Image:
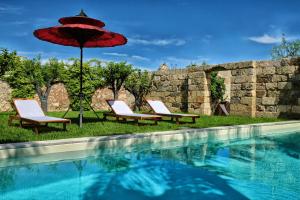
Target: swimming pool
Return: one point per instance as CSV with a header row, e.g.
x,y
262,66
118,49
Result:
x,y
259,166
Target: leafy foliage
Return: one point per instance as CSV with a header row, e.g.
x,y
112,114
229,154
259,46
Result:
x,y
286,49
29,77
115,74
7,60
139,84
92,80
217,89
18,78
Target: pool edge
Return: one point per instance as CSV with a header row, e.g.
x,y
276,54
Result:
x,y
11,150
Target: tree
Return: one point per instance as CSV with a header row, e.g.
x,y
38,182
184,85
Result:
x,y
286,49
51,73
115,74
217,89
139,84
92,80
30,77
7,60
18,79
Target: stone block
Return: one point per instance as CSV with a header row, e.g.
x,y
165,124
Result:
x,y
260,86
273,93
264,78
267,114
269,101
284,85
284,108
296,109
258,100
286,70
242,79
235,99
271,86
247,100
240,109
279,78
271,108
248,86
236,87
260,108
268,70
261,93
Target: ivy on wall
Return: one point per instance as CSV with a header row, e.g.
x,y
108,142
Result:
x,y
217,89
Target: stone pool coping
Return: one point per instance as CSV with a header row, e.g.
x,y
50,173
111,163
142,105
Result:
x,y
37,148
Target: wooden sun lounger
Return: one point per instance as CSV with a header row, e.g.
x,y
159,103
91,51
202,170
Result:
x,y
37,120
166,113
128,114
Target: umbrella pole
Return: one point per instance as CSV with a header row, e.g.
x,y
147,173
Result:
x,y
80,93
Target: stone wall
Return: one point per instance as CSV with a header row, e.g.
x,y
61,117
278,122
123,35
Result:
x,y
5,97
253,88
101,95
278,88
182,90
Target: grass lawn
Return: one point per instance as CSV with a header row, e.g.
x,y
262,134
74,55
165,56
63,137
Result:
x,y
94,127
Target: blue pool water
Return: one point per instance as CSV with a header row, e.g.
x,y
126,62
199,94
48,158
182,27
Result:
x,y
260,167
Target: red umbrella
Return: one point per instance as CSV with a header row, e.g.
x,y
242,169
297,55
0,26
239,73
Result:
x,y
80,31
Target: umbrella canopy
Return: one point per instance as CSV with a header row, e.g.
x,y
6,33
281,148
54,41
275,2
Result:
x,y
80,31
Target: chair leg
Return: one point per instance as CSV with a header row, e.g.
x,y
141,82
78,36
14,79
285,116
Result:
x,y
9,120
194,120
136,121
65,126
36,130
177,120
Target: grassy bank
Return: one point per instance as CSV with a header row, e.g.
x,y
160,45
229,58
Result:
x,y
94,127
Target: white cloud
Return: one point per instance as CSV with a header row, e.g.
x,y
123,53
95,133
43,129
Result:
x,y
207,38
21,34
140,58
9,9
183,62
156,42
116,54
134,57
266,39
29,53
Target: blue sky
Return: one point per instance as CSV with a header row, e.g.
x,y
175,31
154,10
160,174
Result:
x,y
177,32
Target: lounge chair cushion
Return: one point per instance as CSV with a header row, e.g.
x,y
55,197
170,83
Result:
x,y
159,107
120,107
28,108
46,119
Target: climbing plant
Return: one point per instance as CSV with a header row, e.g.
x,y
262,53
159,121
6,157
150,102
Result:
x,y
217,89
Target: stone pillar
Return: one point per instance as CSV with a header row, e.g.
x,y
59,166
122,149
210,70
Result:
x,y
243,91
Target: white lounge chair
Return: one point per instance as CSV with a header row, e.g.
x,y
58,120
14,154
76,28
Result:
x,y
30,112
159,108
121,110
